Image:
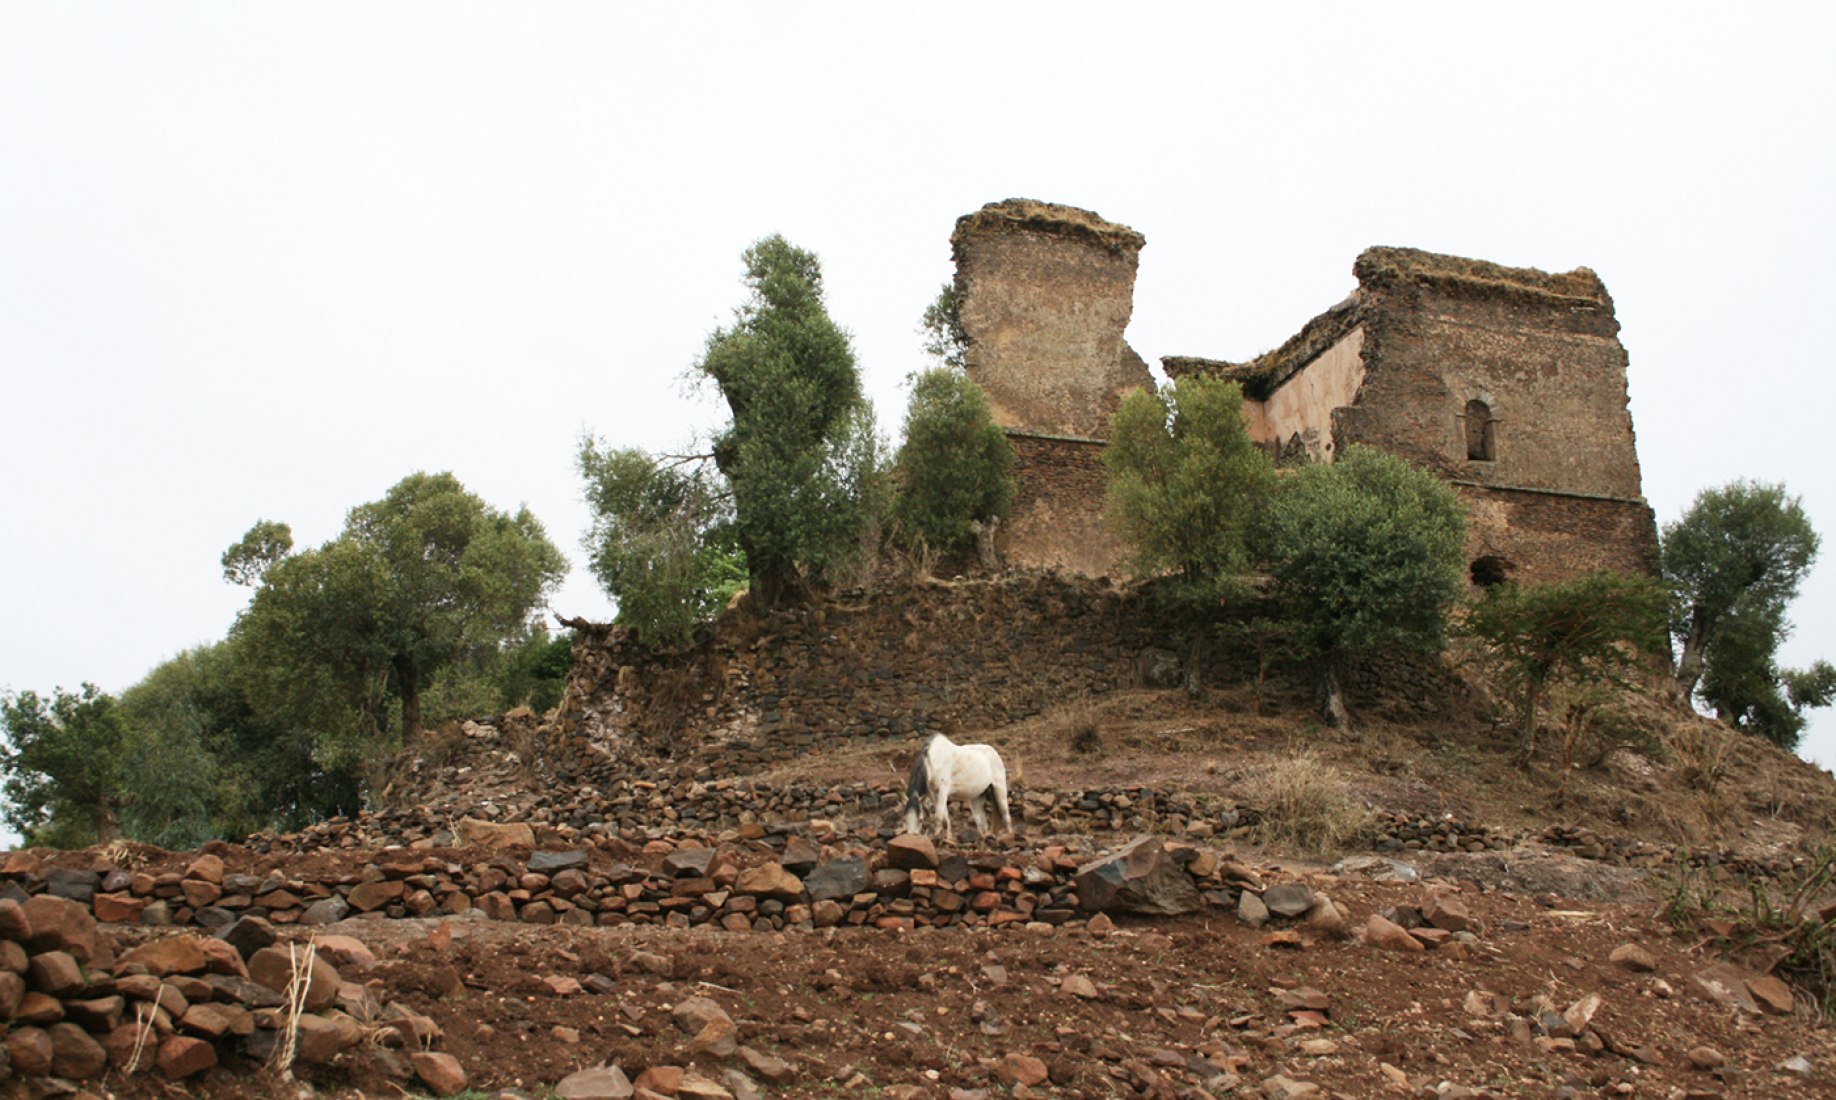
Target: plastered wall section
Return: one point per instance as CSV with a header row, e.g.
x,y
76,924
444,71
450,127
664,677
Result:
x,y
1553,375
1302,407
1044,314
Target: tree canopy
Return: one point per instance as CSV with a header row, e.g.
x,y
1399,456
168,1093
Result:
x,y
1580,631
1184,482
660,542
1366,557
1734,562
417,580
800,455
955,466
64,766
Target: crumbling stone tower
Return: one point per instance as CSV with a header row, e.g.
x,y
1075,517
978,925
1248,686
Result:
x,y
1044,293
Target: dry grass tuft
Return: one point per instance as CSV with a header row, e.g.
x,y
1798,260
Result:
x,y
1306,807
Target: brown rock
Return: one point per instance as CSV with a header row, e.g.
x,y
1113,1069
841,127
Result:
x,y
1022,1069
13,922
322,1039
118,908
59,924
172,955
1449,914
367,897
1772,994
661,1079
598,1083
769,880
1250,909
273,967
1080,987
769,1066
1707,1057
55,973
1325,918
131,1047
39,1009
182,1056
97,1014
1390,936
28,1051
1285,1088
910,850
1631,956
12,992
206,868
199,893
696,1087
347,953
74,1054
473,833
441,1072
1580,1014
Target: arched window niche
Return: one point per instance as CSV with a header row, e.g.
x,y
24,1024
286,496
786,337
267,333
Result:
x,y
1481,432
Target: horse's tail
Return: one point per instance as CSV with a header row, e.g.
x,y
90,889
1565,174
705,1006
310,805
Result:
x,y
1014,776
918,781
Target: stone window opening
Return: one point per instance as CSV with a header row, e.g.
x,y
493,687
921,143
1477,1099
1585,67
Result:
x,y
1490,570
1481,432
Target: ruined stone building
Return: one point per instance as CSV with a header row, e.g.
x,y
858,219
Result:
x,y
1510,383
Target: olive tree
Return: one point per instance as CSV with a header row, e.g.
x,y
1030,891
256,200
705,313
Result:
x,y
1366,558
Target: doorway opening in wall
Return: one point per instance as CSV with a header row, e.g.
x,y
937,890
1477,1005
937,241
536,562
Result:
x,y
1490,570
1481,433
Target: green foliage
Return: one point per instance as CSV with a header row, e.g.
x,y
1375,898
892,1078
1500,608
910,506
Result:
x,y
1184,482
1734,562
63,759
257,769
955,466
418,579
1578,632
944,338
800,455
1366,557
1743,682
265,543
659,542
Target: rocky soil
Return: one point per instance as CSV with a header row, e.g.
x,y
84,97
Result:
x,y
657,934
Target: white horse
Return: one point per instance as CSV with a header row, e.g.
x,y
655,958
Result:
x,y
945,770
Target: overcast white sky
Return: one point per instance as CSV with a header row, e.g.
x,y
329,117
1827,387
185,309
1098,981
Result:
x,y
264,260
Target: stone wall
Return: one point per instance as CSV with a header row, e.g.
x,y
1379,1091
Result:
x,y
1537,537
1057,520
1542,356
907,662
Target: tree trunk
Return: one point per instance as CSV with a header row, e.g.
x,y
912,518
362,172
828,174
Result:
x,y
1533,698
107,822
1689,666
408,675
1333,699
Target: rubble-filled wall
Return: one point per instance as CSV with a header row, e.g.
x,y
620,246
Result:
x,y
964,656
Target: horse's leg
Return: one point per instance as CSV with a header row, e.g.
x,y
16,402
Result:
x,y
998,792
981,818
943,810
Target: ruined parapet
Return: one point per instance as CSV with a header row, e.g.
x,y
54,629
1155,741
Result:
x,y
1043,293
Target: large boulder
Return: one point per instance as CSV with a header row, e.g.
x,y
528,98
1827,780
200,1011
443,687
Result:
x,y
1140,878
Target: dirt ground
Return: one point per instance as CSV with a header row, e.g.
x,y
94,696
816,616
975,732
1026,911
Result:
x,y
1172,1006
1171,1009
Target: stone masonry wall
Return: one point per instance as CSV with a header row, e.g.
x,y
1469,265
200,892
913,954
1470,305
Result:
x,y
1044,293
1057,519
928,658
1548,537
